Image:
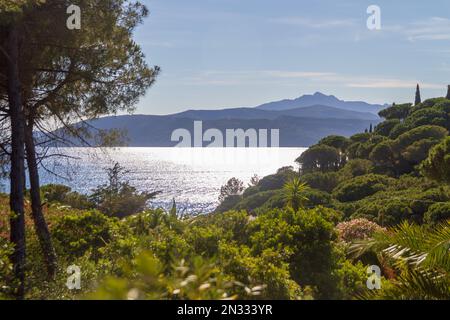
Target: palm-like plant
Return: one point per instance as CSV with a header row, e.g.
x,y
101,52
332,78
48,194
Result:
x,y
294,191
421,257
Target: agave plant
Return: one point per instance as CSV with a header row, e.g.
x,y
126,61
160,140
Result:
x,y
294,191
420,255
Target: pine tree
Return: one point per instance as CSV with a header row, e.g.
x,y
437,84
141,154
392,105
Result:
x,y
112,72
448,93
418,98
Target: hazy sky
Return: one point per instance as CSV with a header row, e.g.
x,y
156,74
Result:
x,y
231,53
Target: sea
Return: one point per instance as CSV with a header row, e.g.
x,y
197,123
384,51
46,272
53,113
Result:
x,y
191,176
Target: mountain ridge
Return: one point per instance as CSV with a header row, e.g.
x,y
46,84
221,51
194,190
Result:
x,y
300,126
319,98
314,111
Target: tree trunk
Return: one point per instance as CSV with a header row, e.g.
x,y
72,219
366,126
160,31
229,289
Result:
x,y
17,220
36,204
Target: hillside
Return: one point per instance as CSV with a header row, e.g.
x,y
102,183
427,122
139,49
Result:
x,y
381,176
314,111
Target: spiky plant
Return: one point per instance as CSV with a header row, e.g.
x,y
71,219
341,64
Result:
x,y
421,257
294,193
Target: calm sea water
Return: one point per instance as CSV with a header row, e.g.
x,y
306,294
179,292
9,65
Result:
x,y
192,176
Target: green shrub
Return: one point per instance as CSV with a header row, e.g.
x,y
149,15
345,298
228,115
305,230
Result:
x,y
275,181
55,193
385,128
437,213
361,187
324,181
118,198
386,213
90,231
356,167
305,238
437,165
257,200
229,203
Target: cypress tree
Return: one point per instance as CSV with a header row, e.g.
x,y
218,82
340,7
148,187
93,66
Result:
x,y
418,98
448,93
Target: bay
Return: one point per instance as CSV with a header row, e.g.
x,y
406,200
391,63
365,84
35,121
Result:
x,y
191,176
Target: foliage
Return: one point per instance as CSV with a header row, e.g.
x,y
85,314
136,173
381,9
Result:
x,y
276,181
324,181
437,165
305,240
396,112
54,193
420,257
357,167
234,187
200,280
118,198
361,187
438,213
320,158
294,193
385,127
90,231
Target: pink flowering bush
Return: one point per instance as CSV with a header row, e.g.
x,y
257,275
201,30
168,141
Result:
x,y
358,229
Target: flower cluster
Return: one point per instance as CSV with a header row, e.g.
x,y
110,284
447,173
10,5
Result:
x,y
358,229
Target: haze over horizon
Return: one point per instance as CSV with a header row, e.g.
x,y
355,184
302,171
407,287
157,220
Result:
x,y
232,53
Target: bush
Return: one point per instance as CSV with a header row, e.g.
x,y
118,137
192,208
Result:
x,y
437,165
250,191
437,213
388,212
361,187
118,198
255,201
268,269
305,238
89,231
275,181
204,240
55,193
324,181
385,128
357,167
229,203
357,229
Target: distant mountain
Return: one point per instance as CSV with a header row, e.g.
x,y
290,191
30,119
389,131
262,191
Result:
x,y
302,122
323,100
315,111
156,131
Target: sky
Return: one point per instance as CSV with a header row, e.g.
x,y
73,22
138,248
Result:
x,y
216,54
